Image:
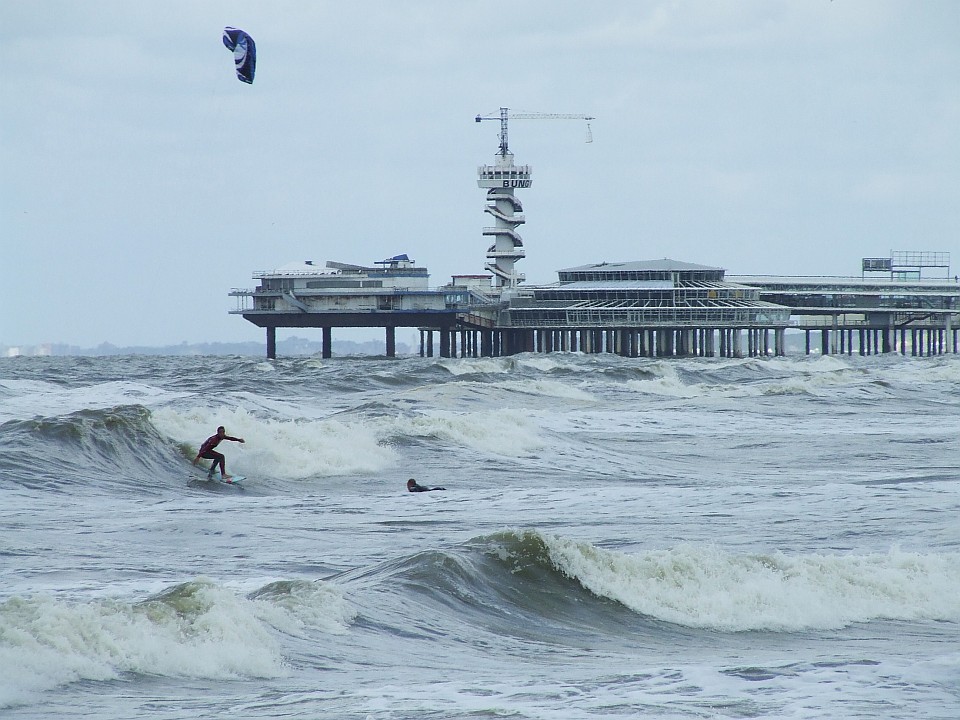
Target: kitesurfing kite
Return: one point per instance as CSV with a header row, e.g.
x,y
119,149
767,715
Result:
x,y
244,52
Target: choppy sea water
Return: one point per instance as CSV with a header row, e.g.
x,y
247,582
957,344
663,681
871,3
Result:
x,y
761,538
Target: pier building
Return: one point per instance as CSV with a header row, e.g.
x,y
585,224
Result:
x,y
653,309
394,293
658,308
648,308
892,307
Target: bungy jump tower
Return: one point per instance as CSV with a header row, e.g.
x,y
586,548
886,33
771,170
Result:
x,y
501,181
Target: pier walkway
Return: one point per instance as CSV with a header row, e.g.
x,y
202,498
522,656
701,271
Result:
x,y
867,315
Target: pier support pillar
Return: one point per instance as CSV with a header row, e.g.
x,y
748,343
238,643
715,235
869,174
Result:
x,y
671,348
271,343
486,343
445,342
391,333
326,344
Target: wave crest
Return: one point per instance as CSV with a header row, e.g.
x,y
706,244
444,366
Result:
x,y
193,629
705,587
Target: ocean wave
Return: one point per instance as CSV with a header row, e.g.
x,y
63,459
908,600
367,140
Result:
x,y
502,432
195,629
555,364
74,447
530,583
488,365
285,448
458,589
31,399
705,587
758,377
295,606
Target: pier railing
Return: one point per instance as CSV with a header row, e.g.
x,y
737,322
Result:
x,y
655,317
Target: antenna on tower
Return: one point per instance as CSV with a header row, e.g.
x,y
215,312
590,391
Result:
x,y
504,117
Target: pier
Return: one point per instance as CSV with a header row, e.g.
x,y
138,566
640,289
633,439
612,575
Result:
x,y
658,308
661,308
894,306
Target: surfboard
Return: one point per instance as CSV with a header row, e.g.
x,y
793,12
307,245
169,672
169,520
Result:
x,y
234,480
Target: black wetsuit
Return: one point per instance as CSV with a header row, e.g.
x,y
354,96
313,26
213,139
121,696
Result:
x,y
420,488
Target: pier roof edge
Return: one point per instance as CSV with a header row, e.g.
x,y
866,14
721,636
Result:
x,y
639,265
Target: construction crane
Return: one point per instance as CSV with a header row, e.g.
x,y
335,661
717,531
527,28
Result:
x,y
505,115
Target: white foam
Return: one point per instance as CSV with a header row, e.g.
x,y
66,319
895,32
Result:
x,y
199,629
704,587
296,606
911,372
542,363
472,366
281,448
507,432
469,366
666,381
31,398
547,388
49,642
799,377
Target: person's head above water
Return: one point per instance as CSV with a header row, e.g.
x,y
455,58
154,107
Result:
x,y
411,483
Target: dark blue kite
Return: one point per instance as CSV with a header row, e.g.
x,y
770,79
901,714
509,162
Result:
x,y
244,52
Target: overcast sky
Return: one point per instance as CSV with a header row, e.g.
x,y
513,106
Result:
x,y
140,181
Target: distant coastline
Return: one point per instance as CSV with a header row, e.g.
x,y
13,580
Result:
x,y
292,346
288,347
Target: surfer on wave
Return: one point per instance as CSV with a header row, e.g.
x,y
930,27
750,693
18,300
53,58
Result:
x,y
207,452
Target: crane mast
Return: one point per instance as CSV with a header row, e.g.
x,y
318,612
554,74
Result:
x,y
505,116
501,180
